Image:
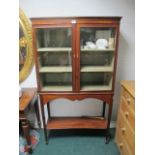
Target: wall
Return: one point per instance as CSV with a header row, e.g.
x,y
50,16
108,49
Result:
x,y
126,56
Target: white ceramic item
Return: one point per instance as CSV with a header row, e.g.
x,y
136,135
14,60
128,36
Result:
x,y
90,44
102,43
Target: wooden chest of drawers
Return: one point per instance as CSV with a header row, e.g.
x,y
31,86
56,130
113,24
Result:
x,y
125,129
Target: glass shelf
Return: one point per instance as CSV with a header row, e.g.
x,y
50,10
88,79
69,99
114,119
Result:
x,y
55,49
57,88
57,69
96,49
96,69
95,88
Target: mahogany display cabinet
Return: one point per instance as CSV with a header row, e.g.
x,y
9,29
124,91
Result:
x,y
76,58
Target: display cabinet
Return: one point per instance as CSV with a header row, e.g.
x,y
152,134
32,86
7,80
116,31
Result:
x,y
76,58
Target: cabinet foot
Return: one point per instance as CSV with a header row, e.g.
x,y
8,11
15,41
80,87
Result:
x,y
39,125
107,139
30,150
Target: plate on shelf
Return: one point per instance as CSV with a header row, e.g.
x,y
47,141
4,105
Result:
x,y
101,43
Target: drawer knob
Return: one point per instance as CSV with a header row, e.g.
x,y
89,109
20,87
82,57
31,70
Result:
x,y
129,100
123,130
126,114
121,145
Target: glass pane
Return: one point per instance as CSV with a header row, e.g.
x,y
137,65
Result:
x,y
96,81
57,81
54,50
91,58
98,38
54,37
97,58
55,58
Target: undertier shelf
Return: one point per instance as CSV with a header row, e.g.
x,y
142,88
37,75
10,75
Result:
x,y
77,123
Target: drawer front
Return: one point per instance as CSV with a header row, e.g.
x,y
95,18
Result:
x,y
128,114
129,100
126,132
122,145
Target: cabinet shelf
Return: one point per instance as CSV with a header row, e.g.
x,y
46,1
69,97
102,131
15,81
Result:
x,y
96,69
76,123
55,49
57,69
96,49
95,88
57,88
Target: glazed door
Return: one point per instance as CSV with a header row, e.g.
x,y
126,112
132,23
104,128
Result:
x,y
97,49
55,65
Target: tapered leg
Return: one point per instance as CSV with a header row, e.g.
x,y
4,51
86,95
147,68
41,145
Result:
x,y
104,107
36,107
48,110
26,132
43,118
109,119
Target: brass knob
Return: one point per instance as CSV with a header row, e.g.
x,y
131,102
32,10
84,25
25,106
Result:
x,y
123,130
126,114
121,145
129,100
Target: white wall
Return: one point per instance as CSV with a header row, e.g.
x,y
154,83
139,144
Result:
x,y
126,52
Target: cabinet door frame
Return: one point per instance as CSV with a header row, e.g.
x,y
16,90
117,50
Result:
x,y
56,24
95,25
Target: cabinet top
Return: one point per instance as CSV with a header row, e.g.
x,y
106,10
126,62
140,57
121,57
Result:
x,y
98,19
27,96
129,85
80,17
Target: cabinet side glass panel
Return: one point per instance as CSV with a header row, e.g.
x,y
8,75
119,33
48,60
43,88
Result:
x,y
97,49
54,49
